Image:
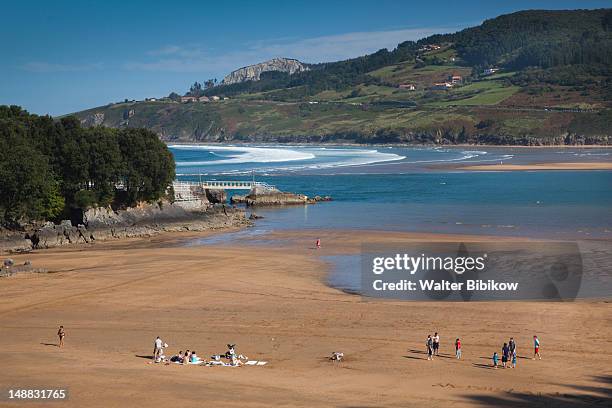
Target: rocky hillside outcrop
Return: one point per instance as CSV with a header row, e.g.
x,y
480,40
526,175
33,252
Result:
x,y
253,72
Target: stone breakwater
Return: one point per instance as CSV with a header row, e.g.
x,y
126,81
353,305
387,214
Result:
x,y
101,224
276,198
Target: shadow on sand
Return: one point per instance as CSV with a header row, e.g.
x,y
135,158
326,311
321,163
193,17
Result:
x,y
487,366
415,357
583,396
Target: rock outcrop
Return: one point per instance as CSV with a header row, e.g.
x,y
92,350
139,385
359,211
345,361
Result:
x,y
253,72
101,224
216,196
95,119
14,241
275,198
270,199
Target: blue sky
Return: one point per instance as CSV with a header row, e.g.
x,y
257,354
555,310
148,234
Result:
x,y
64,56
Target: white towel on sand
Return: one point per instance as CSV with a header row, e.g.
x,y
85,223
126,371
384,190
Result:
x,y
255,362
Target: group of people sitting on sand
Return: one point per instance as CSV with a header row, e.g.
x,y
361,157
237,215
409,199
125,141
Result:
x,y
508,351
191,357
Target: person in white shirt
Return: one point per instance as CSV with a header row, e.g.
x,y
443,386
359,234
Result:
x,y
158,348
436,344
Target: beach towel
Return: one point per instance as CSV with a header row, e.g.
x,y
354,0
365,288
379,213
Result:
x,y
255,362
217,363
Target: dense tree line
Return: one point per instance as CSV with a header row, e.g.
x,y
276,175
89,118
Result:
x,y
536,38
49,166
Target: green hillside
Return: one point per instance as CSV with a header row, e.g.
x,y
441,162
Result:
x,y
532,77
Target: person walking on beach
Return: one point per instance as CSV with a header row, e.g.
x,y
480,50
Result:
x,y
429,345
61,333
436,344
536,348
505,355
512,345
158,346
458,349
318,243
514,359
495,360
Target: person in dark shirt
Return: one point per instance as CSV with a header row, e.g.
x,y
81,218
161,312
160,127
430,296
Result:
x,y
61,333
505,354
429,345
512,345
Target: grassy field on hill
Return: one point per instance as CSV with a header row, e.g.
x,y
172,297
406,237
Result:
x,y
552,85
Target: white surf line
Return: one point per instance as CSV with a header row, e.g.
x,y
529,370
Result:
x,y
360,157
244,155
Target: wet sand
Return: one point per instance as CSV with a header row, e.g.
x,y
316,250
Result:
x,y
114,298
539,166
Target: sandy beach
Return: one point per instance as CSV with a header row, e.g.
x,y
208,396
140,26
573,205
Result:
x,y
540,166
113,299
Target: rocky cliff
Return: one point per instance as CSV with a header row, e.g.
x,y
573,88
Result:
x,y
101,224
253,72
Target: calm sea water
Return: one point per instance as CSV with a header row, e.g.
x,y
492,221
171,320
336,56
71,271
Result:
x,y
416,189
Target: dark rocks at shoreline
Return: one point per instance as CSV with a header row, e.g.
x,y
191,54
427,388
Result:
x,y
276,198
317,199
9,268
145,220
14,241
216,196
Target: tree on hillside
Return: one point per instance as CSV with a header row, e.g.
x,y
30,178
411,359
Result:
x,y
195,89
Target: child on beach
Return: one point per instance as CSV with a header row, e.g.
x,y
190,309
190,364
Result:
x,y
318,243
458,349
495,360
429,344
536,347
505,355
61,334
